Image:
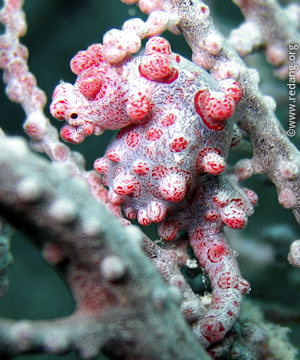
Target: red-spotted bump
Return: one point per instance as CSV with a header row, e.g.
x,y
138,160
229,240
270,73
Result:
x,y
212,203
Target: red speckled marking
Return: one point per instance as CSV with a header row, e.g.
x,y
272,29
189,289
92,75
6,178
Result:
x,y
178,144
132,139
153,134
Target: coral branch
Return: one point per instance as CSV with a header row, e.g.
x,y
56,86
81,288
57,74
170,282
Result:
x,y
255,112
22,87
213,202
168,164
294,254
90,238
228,287
168,263
269,26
